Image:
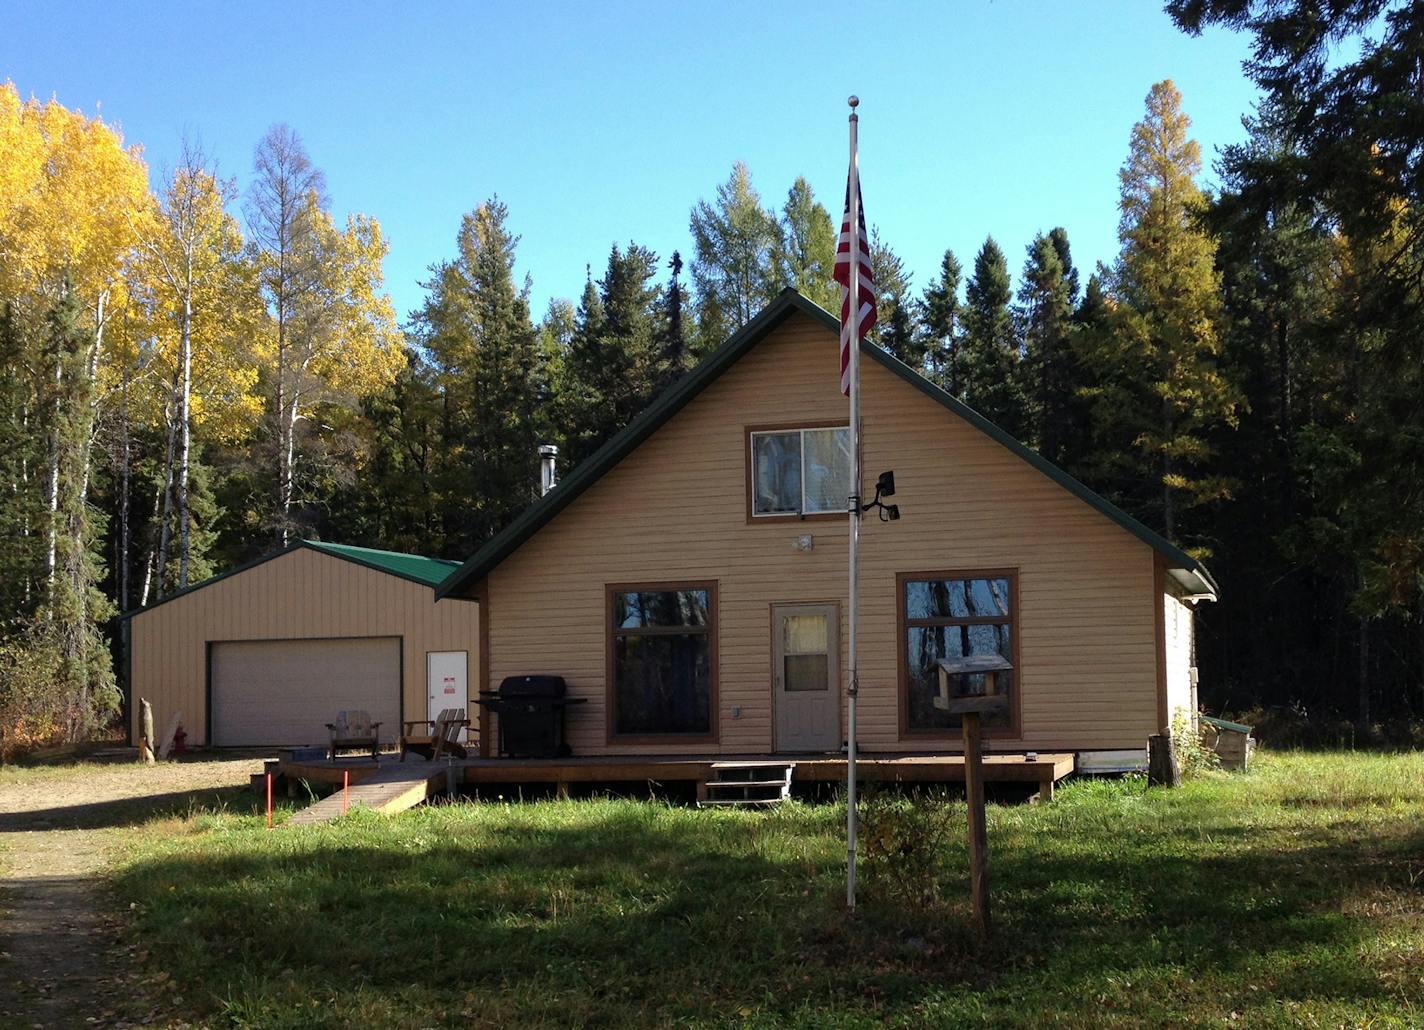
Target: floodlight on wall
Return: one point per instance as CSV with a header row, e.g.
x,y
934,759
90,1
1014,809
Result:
x,y
884,487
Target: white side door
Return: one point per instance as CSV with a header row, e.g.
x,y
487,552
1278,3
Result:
x,y
447,683
805,676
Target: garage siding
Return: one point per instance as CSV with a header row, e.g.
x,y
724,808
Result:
x,y
300,595
282,692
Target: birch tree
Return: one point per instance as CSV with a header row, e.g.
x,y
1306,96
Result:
x,y
333,335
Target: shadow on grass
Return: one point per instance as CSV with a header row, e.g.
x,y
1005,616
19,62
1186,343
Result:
x,y
642,915
118,811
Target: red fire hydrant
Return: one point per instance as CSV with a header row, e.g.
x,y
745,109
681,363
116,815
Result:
x,y
179,736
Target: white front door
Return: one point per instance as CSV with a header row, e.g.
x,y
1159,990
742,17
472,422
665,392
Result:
x,y
446,682
805,676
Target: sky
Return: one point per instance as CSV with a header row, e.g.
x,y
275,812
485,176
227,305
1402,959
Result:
x,y
603,123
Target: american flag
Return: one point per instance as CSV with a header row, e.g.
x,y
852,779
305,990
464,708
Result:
x,y
866,295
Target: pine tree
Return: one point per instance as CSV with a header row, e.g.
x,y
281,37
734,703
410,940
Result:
x,y
735,246
673,359
896,328
942,317
476,328
806,255
616,359
991,351
1168,393
1049,377
76,608
21,458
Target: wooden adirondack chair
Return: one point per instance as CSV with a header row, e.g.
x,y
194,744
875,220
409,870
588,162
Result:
x,y
440,740
354,730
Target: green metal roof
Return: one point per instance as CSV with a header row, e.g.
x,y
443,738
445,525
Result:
x,y
414,567
1186,570
1223,724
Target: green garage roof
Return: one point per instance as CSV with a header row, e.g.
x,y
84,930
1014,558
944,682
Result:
x,y
415,567
419,568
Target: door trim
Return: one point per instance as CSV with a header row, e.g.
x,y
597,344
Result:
x,y
835,606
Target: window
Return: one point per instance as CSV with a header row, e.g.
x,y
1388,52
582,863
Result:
x,y
800,471
662,660
950,615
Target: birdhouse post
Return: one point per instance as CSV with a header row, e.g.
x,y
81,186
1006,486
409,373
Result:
x,y
969,688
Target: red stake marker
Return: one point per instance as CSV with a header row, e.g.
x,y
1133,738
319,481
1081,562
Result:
x,y
345,791
269,801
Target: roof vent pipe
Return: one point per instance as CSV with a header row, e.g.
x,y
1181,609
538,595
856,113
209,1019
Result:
x,y
548,476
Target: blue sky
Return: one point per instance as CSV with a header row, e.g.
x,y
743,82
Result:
x,y
599,123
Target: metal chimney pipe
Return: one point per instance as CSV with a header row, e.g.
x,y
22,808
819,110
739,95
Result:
x,y
548,474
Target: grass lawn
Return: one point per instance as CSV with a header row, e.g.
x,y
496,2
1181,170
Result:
x,y
1292,896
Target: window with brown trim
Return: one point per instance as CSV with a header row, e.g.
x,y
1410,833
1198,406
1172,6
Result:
x,y
798,471
662,662
949,615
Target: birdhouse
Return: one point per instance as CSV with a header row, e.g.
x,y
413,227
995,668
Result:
x,y
959,696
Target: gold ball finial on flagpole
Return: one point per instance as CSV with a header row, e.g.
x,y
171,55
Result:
x,y
854,101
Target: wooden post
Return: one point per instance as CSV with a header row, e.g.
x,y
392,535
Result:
x,y
1163,769
145,742
978,835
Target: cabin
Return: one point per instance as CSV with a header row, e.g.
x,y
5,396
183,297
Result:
x,y
689,580
688,583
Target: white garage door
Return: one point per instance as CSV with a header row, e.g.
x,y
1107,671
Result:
x,y
284,692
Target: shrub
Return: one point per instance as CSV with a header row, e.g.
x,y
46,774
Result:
x,y
903,841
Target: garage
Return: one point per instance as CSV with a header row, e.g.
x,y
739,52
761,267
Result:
x,y
269,692
268,653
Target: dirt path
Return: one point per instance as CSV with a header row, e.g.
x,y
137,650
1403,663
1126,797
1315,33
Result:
x,y
61,961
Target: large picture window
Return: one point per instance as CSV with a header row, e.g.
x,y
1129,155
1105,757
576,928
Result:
x,y
799,471
662,660
950,615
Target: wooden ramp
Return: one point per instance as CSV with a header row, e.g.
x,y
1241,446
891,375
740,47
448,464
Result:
x,y
392,788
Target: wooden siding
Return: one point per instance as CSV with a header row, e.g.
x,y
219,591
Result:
x,y
302,594
675,510
1177,629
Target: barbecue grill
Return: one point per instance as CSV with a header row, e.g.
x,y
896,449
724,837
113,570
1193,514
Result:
x,y
531,715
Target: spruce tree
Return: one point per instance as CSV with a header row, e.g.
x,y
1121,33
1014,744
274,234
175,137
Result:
x,y
673,359
991,350
475,327
895,327
942,315
76,608
1048,379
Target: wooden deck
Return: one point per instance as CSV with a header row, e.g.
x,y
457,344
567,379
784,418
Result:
x,y
1044,772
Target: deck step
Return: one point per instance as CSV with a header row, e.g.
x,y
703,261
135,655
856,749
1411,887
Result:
x,y
753,784
392,789
746,783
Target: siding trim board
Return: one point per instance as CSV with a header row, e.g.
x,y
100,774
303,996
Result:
x,y
536,516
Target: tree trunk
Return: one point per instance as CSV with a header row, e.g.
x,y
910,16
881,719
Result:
x,y
1362,717
125,486
166,517
184,437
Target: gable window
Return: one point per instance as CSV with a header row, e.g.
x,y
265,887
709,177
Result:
x,y
951,615
662,660
799,471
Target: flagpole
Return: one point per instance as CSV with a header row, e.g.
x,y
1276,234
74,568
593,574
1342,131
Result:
x,y
853,686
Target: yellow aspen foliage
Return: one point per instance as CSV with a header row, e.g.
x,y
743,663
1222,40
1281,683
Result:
x,y
70,216
193,257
